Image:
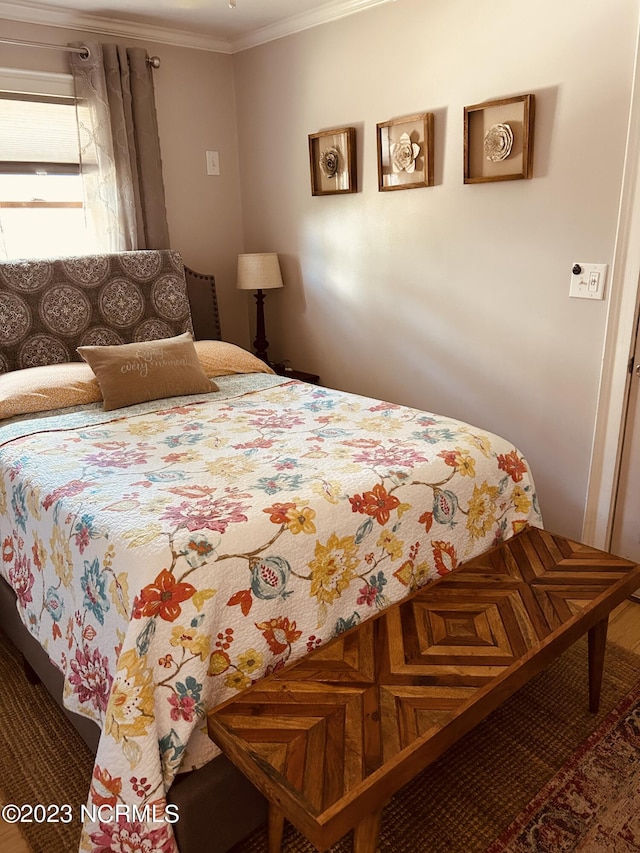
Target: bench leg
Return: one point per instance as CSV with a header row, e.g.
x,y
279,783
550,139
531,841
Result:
x,y
365,835
597,645
275,825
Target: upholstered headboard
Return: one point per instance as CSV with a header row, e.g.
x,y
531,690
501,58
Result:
x,y
51,306
205,317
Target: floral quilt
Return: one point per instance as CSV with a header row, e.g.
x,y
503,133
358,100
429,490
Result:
x,y
172,553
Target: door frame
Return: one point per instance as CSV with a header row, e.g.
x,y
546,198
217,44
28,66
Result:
x,y
624,293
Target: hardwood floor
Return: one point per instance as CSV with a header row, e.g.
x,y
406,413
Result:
x,y
624,630
10,839
624,626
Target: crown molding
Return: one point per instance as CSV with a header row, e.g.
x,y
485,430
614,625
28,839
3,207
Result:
x,y
55,16
33,13
304,21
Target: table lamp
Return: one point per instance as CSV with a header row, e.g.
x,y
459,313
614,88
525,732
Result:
x,y
259,272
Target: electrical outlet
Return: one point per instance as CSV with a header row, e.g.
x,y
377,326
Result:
x,y
213,163
587,281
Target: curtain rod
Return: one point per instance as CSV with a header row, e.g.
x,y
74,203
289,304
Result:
x,y
84,52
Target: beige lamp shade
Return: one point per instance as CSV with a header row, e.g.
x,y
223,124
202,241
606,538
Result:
x,y
260,271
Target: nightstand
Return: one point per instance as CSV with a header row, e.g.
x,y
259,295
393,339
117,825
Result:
x,y
290,373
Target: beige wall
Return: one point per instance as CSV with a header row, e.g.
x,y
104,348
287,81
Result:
x,y
196,111
452,298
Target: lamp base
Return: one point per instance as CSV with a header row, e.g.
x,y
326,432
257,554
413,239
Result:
x,y
261,344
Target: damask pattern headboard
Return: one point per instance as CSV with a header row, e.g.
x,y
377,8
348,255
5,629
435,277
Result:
x,y
51,306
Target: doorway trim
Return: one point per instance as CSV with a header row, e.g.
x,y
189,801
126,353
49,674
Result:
x,y
624,290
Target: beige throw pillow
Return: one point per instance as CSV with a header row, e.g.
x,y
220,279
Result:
x,y
41,389
219,358
149,370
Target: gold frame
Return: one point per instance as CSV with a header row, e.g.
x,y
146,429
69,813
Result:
x,y
344,180
419,129
518,113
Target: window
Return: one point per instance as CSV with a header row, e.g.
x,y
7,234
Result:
x,y
41,199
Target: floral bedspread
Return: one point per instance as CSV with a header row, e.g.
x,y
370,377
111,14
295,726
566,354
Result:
x,y
172,553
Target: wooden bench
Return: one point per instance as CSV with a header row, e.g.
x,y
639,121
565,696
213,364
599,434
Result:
x,y
329,739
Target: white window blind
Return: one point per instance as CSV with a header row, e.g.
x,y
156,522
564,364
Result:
x,y
37,130
42,212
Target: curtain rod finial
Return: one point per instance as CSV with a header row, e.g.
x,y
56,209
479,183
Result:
x,y
154,61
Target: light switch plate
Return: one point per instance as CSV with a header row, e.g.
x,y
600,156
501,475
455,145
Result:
x,y
213,163
587,281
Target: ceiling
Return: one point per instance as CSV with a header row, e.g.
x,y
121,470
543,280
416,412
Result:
x,y
207,24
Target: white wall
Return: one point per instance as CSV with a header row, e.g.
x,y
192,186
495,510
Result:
x,y
195,102
452,298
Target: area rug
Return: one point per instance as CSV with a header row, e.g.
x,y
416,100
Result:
x,y
42,758
469,796
461,804
593,803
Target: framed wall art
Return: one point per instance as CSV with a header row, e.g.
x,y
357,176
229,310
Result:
x,y
405,153
332,159
498,140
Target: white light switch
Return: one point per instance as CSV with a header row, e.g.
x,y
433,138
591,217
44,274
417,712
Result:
x,y
213,163
587,281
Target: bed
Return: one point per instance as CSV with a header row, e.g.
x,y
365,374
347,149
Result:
x,y
166,553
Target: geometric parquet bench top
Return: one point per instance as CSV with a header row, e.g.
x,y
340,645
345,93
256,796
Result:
x,y
333,736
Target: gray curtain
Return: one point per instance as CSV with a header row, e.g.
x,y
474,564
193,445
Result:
x,y
119,148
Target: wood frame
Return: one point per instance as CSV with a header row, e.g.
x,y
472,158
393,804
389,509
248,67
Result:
x,y
518,115
395,176
340,142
